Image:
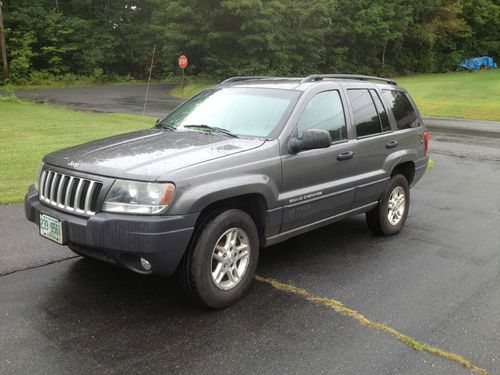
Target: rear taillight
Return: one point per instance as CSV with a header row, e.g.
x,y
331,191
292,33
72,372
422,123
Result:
x,y
426,142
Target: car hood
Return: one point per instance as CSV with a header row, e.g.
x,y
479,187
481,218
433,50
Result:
x,y
148,154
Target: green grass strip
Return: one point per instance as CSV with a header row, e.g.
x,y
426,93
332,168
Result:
x,y
360,318
456,94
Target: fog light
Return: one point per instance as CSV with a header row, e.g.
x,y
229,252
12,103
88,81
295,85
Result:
x,y
146,265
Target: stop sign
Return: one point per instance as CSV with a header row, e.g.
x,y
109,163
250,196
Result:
x,y
183,62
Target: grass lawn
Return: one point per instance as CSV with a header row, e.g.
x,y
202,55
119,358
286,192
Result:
x,y
29,131
455,94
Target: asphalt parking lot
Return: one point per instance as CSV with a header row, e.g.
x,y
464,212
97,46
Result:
x,y
438,282
119,99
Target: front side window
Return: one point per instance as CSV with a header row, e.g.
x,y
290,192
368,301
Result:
x,y
366,119
253,112
401,107
324,111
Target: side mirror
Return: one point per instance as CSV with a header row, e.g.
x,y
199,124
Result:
x,y
311,139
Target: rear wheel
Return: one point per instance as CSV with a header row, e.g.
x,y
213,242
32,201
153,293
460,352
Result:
x,y
389,217
221,262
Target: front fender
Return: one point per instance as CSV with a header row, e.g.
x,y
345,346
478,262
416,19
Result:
x,y
196,198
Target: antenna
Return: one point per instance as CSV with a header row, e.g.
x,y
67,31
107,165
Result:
x,y
149,80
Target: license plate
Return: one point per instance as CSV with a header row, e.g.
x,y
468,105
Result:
x,y
51,228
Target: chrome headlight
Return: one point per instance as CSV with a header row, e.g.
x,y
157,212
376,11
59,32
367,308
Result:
x,y
135,197
36,182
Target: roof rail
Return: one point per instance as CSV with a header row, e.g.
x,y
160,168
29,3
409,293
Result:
x,y
242,78
319,77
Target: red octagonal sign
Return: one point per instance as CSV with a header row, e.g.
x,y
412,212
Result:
x,y
183,62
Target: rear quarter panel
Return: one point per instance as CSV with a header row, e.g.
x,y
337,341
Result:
x,y
411,141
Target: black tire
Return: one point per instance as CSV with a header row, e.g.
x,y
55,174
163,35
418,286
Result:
x,y
377,218
195,270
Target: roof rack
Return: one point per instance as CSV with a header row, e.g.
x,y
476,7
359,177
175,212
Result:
x,y
242,78
248,78
319,77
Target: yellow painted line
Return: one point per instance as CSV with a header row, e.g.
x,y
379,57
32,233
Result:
x,y
341,309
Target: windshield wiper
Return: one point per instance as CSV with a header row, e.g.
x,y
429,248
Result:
x,y
163,125
214,128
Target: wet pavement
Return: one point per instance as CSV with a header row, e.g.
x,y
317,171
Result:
x,y
437,281
120,99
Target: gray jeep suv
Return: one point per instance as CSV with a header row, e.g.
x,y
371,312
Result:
x,y
246,164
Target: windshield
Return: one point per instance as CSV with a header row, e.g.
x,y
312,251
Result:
x,y
253,112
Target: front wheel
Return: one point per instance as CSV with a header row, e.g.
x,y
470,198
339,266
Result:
x,y
390,215
220,264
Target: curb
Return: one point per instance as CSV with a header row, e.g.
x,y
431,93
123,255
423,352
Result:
x,y
471,127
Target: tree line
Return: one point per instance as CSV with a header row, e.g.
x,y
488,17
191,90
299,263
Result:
x,y
111,39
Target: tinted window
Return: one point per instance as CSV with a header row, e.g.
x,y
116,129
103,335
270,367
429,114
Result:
x,y
382,114
243,111
365,115
403,111
325,111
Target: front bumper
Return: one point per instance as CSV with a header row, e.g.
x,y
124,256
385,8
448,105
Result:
x,y
122,239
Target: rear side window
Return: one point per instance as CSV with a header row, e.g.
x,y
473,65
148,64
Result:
x,y
366,118
382,114
401,107
325,111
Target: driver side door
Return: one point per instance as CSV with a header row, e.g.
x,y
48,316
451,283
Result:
x,y
318,184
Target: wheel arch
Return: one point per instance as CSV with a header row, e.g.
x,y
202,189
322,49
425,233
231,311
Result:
x,y
254,204
407,169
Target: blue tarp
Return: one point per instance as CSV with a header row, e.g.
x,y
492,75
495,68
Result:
x,y
477,62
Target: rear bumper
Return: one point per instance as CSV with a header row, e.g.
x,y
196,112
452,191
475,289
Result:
x,y
122,239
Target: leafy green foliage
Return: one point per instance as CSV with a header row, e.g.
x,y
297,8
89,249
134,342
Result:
x,y
21,57
105,39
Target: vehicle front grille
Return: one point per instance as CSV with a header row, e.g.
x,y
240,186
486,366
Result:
x,y
69,193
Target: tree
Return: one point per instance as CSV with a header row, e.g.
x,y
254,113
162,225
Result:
x,y
434,24
365,30
110,38
483,17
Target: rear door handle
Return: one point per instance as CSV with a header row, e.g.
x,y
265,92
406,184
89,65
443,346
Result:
x,y
345,155
392,144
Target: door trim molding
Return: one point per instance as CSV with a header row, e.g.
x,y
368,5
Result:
x,y
316,198
318,224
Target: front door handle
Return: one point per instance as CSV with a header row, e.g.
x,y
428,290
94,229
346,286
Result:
x,y
345,155
392,144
